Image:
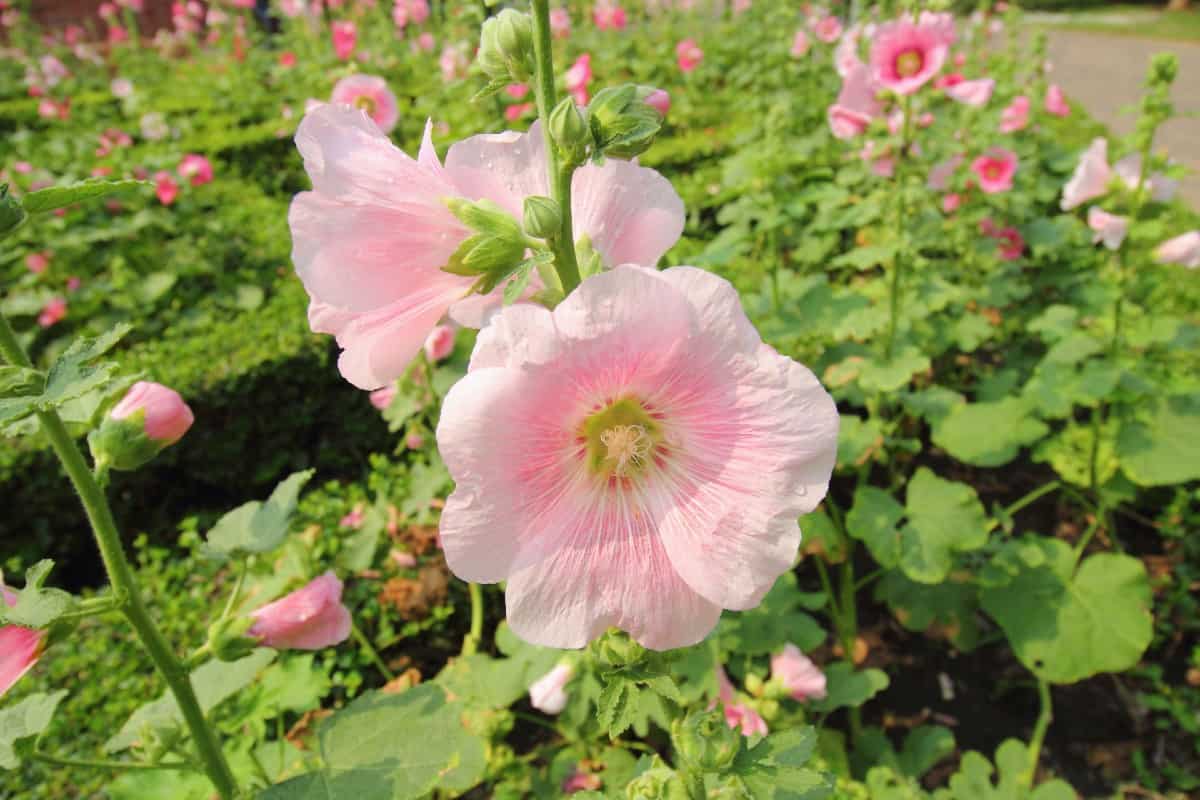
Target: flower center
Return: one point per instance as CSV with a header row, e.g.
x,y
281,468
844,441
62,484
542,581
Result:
x,y
366,103
620,439
909,63
992,172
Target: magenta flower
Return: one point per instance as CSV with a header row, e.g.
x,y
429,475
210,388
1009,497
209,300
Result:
x,y
345,38
688,55
20,647
828,29
972,93
1183,250
857,104
660,101
53,312
165,188
310,618
195,168
165,415
382,398
995,170
560,23
608,16
635,458
1056,103
369,242
800,676
37,263
1015,117
904,56
369,93
440,343
1009,243
548,693
1091,177
1107,228
800,45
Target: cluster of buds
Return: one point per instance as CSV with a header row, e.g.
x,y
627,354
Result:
x,y
506,48
620,122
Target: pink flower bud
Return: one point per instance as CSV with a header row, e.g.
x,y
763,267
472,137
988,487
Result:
x,y
310,618
547,693
440,343
414,441
166,416
382,398
196,168
37,262
1056,103
800,45
165,188
53,312
800,676
20,647
660,101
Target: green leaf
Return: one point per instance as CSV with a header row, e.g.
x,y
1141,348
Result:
x,y
988,434
59,196
776,768
37,607
889,376
846,688
20,382
256,527
944,517
520,281
214,682
924,747
73,374
1161,445
1066,626
358,549
25,720
873,520
953,607
973,781
480,681
776,621
858,440
614,711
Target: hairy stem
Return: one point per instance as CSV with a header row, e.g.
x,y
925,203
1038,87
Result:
x,y
894,287
371,652
1045,717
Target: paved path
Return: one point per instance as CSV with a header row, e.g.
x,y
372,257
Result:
x,y
1105,74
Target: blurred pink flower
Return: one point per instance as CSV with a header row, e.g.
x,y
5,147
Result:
x,y
738,715
287,59
117,34
121,88
578,77
369,242
1091,177
106,11
53,312
1016,116
548,693
856,105
517,91
948,79
1108,228
196,169
688,55
1183,249
951,203
660,101
974,93
345,38
1056,103
879,159
293,8
581,781
414,441
369,93
940,175
37,262
845,56
402,559
165,415
382,398
440,343
1010,244
636,457
453,62
310,618
800,45
73,34
73,283
828,29
355,517
22,167
165,188
608,15
995,170
1162,188
20,647
800,676
515,112
560,23
904,56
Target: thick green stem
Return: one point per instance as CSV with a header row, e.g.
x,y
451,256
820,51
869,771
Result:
x,y
560,178
371,652
1039,732
475,635
894,287
126,592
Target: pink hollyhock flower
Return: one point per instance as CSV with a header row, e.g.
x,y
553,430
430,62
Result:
x,y
345,38
560,23
453,63
857,104
166,417
1091,176
1056,103
440,343
951,203
425,42
117,34
845,56
310,618
800,45
121,88
1010,244
1162,188
293,8
580,781
635,458
974,93
418,11
287,59
165,188
414,441
688,55
800,676
355,518
828,29
20,647
660,101
995,170
517,91
1108,228
515,112
548,693
940,175
73,34
904,56
948,80
53,312
371,94
73,283
382,398
941,23
37,262
1184,250
196,168
106,11
53,70
1016,116
738,715
578,77
370,241
608,16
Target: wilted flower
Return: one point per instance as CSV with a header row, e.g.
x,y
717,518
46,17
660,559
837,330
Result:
x,y
1091,177
369,93
1184,250
995,170
310,618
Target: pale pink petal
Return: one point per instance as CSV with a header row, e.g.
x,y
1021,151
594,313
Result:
x,y
310,618
1108,228
502,167
1091,176
972,93
632,214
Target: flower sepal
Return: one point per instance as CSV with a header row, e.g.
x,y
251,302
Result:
x,y
704,742
623,123
495,251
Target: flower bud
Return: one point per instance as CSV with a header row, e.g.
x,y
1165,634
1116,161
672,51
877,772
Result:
x,y
506,46
227,639
623,124
1164,67
615,649
11,212
800,677
658,99
439,344
542,217
149,418
310,618
547,694
704,742
20,647
570,132
657,783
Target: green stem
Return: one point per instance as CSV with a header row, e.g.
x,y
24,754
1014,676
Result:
x,y
559,178
126,592
372,653
237,590
694,782
901,211
1045,717
1089,533
475,635
1031,497
88,763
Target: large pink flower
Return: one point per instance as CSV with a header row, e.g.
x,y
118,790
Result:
x,y
310,618
995,170
1091,176
371,94
904,56
20,647
856,104
635,458
369,242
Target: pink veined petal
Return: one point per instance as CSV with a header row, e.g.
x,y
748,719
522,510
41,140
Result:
x,y
521,335
19,651
502,167
632,214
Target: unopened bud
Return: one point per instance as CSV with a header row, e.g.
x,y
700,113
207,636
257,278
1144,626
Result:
x,y
1164,67
623,124
616,649
542,217
149,418
704,742
227,639
570,132
658,99
506,46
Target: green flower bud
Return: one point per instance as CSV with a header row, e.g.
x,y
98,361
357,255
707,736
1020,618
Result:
x,y
754,685
656,783
227,638
704,742
496,249
623,124
615,649
515,37
542,217
11,212
491,58
569,131
1164,68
